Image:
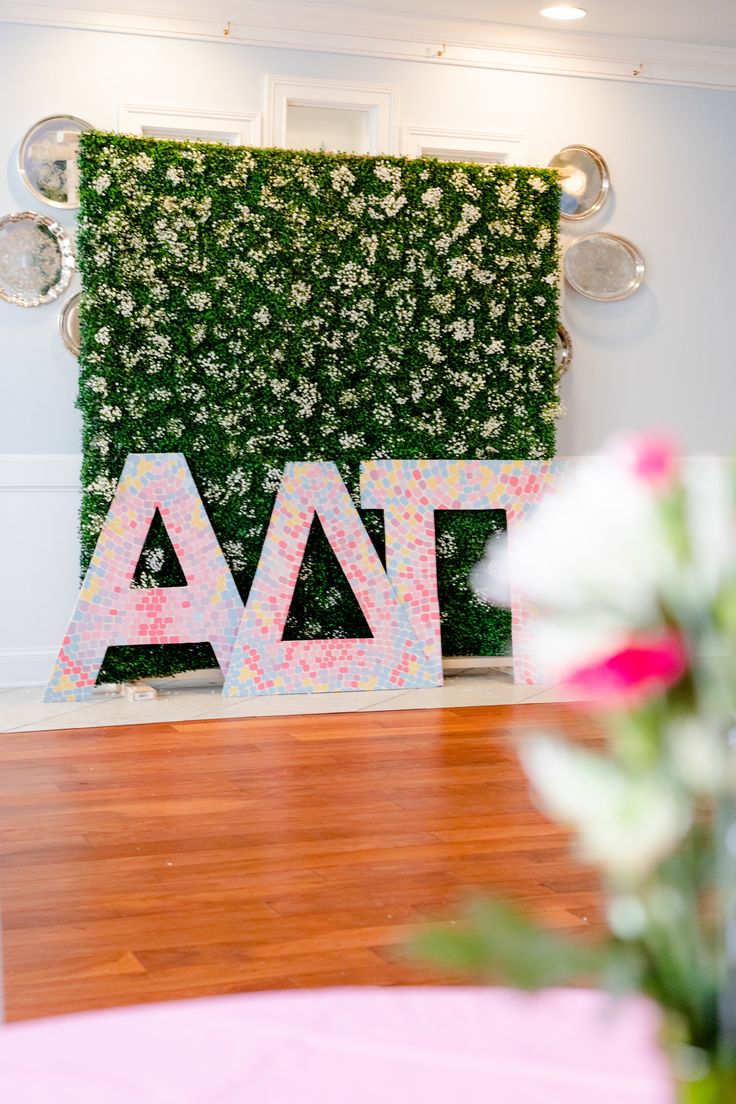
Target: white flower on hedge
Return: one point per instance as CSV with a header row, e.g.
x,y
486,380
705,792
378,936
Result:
x,y
126,303
154,558
196,156
446,544
174,174
443,304
352,441
432,197
160,343
432,352
389,174
301,293
262,316
491,427
469,214
110,413
236,555
463,183
102,337
342,179
457,267
143,162
199,300
102,485
357,205
537,184
508,196
626,825
306,398
462,329
272,480
392,203
101,443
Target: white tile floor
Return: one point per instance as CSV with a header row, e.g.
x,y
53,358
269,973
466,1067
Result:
x,y
198,697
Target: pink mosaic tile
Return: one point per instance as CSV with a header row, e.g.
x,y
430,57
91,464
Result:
x,y
110,612
263,663
400,605
409,492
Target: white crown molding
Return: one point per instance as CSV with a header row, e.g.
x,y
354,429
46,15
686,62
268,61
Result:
x,y
293,25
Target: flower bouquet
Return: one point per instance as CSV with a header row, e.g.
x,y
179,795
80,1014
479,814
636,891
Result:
x,y
632,566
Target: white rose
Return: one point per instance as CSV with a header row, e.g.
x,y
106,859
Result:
x,y
625,824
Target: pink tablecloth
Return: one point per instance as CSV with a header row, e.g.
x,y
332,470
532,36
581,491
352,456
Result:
x,y
350,1046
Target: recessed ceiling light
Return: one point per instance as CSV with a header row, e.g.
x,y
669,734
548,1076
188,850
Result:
x,y
563,11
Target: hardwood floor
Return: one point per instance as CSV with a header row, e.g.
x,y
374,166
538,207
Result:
x,y
173,860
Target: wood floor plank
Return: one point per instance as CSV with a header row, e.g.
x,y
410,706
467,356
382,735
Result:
x,y
155,862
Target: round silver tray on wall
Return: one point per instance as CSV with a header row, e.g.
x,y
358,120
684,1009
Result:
x,y
36,259
563,351
47,159
69,324
605,267
584,179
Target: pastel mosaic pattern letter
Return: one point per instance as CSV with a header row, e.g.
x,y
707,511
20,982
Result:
x,y
263,663
409,491
110,612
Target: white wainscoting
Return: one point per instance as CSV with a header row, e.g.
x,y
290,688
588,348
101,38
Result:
x,y
39,562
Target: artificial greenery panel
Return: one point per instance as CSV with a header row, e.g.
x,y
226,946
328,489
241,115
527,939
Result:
x,y
252,306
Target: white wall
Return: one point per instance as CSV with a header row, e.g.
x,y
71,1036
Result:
x,y
661,358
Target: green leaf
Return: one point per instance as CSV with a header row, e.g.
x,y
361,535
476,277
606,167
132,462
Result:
x,y
498,942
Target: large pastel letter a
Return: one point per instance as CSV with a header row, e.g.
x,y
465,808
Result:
x,y
263,663
109,611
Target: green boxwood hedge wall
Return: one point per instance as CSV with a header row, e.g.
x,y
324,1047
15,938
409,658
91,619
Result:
x,y
252,306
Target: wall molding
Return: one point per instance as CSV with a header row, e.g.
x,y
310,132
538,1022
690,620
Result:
x,y
380,101
25,666
40,472
467,145
328,27
39,510
235,128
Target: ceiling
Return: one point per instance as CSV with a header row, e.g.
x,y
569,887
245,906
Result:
x,y
703,22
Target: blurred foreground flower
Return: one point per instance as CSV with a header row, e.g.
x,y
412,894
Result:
x,y
632,567
645,665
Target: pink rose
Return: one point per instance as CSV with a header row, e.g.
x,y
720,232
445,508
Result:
x,y
651,458
646,666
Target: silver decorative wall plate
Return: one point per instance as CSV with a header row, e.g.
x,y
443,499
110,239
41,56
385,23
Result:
x,y
603,266
36,259
563,351
584,179
69,324
47,159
